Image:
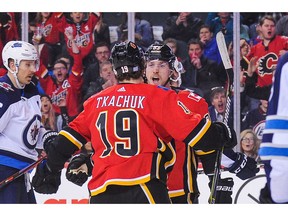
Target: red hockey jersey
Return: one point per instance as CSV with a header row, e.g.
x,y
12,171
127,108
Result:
x,y
267,58
124,123
83,33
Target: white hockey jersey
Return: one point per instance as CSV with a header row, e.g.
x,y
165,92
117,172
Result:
x,y
21,130
275,134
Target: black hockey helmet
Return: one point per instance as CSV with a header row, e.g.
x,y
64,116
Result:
x,y
161,52
127,57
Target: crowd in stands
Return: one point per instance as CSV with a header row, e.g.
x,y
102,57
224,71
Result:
x,y
74,51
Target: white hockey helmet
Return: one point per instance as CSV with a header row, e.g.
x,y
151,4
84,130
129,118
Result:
x,y
18,51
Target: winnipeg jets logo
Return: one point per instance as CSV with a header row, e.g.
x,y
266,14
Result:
x,y
34,132
267,64
31,132
6,86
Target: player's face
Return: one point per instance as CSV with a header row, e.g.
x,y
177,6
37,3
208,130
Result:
x,y
60,72
219,102
268,29
157,72
26,71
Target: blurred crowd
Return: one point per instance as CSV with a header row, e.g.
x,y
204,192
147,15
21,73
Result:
x,y
75,47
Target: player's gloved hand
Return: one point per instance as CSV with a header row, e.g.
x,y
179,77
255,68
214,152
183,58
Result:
x,y
79,169
48,138
46,181
244,167
228,135
224,190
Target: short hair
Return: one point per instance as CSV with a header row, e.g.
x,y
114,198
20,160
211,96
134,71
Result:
x,y
268,17
216,90
170,40
59,61
104,63
195,41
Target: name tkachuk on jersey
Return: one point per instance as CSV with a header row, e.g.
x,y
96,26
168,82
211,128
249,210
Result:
x,y
126,101
20,137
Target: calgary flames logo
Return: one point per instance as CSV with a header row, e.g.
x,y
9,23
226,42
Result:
x,y
267,64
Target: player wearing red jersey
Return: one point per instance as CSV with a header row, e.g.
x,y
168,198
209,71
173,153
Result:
x,y
123,123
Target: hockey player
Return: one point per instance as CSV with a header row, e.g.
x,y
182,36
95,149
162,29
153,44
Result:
x,y
123,123
273,149
20,120
182,182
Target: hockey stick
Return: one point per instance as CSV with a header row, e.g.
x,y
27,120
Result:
x,y
21,172
229,71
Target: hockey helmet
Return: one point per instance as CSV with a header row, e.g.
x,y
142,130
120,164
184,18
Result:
x,y
18,51
161,52
127,57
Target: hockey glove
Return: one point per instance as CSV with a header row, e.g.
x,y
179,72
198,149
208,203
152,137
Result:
x,y
244,167
46,181
48,138
79,169
228,136
224,190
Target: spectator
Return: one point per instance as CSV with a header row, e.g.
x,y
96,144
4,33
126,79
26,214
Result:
x,y
249,144
82,32
255,119
143,31
246,102
101,32
267,53
201,73
64,89
223,21
48,114
101,53
48,35
282,25
8,31
211,50
106,79
217,109
172,43
182,27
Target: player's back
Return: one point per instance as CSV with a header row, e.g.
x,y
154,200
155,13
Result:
x,y
121,123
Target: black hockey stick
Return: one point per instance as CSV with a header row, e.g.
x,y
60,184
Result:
x,y
21,172
220,39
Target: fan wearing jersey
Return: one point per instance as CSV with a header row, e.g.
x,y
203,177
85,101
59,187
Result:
x,y
20,120
124,123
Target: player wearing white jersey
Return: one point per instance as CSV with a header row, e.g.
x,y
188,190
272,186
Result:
x,y
20,120
274,146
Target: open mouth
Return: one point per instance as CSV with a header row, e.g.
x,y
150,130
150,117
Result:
x,y
155,80
269,33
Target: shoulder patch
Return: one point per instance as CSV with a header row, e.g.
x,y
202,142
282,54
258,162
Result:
x,y
6,86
